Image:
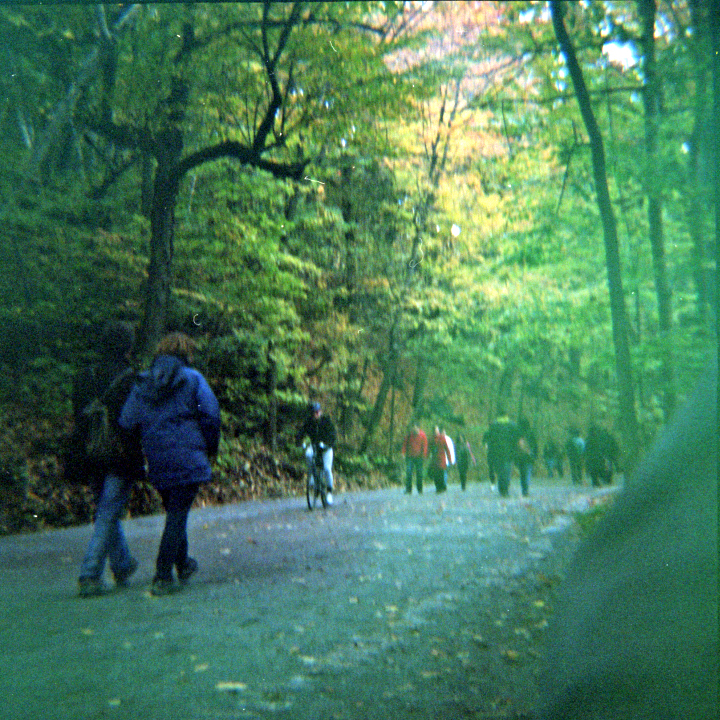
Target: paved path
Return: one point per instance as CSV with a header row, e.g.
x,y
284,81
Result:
x,y
382,607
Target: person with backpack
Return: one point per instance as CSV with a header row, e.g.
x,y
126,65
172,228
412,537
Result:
x,y
109,460
178,417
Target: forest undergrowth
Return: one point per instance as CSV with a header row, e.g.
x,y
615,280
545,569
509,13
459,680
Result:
x,y
36,495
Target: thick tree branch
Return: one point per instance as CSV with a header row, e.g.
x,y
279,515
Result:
x,y
243,154
66,107
270,63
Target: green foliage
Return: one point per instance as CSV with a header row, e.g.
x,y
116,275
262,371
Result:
x,y
447,216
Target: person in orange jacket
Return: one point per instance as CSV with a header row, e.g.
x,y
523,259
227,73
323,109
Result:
x,y
414,450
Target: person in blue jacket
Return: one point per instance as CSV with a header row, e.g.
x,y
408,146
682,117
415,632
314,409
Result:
x,y
178,417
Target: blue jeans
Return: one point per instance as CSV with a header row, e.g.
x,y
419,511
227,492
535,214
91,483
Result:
x,y
108,539
525,470
173,550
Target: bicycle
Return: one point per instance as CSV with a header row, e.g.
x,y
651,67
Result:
x,y
316,486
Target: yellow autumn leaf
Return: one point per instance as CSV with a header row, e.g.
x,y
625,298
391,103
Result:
x,y
231,686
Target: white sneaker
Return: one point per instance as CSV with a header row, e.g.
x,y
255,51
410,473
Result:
x,y
329,498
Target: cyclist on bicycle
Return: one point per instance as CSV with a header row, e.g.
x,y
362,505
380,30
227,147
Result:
x,y
321,431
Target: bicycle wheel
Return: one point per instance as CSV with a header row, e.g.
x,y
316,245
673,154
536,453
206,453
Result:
x,y
322,490
310,492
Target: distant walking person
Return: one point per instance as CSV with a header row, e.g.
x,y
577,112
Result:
x,y
501,439
323,436
526,454
553,458
601,456
575,451
99,393
178,417
414,450
439,460
464,458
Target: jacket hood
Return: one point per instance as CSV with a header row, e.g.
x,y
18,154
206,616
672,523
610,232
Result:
x,y
163,378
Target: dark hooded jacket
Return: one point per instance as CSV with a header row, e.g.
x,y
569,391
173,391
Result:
x,y
179,421
92,382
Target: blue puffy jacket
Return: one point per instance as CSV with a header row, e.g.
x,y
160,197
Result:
x,y
179,421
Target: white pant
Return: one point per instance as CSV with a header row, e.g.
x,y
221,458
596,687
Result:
x,y
327,458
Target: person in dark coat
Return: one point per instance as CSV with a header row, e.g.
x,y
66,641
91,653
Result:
x,y
501,439
178,417
601,456
575,451
464,458
526,454
321,431
111,478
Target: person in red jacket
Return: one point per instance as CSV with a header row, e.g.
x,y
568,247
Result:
x,y
440,456
414,450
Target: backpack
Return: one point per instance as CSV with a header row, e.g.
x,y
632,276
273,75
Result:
x,y
102,441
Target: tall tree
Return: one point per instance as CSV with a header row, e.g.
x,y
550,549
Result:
x,y
165,139
612,253
654,191
700,51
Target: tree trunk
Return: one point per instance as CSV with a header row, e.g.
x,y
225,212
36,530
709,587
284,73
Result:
x,y
421,376
162,240
715,35
653,189
628,418
387,382
272,398
377,410
698,195
391,434
346,209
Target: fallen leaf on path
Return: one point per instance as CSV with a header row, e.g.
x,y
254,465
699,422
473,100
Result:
x,y
231,686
